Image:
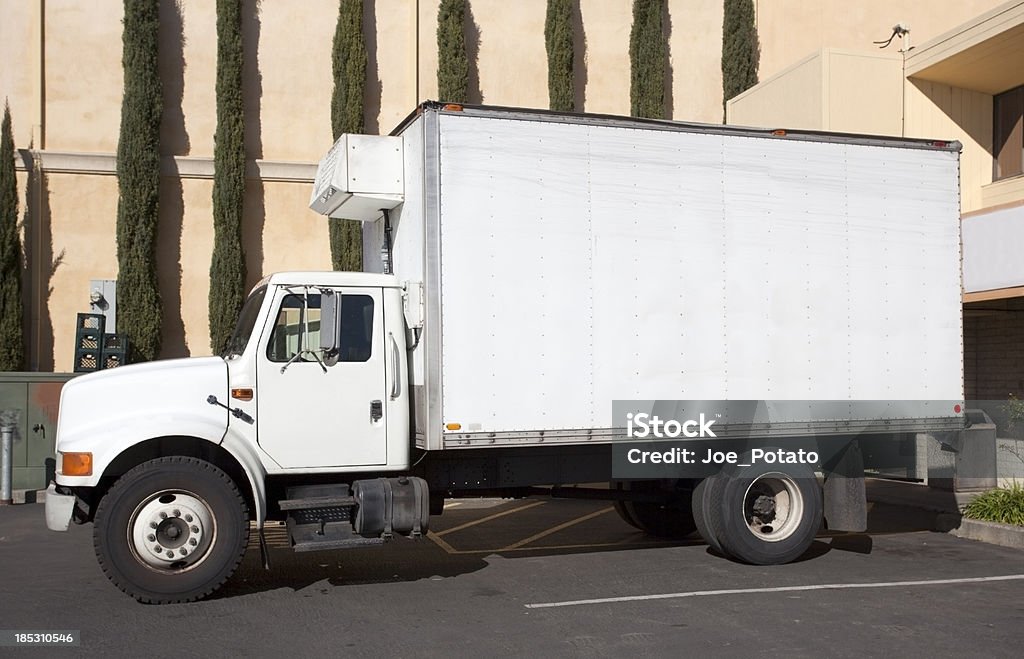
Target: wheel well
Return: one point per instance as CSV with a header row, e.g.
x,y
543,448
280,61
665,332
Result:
x,y
160,447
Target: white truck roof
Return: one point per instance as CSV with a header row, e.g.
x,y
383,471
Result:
x,y
330,278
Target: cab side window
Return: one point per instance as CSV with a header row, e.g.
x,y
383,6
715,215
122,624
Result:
x,y
356,328
289,336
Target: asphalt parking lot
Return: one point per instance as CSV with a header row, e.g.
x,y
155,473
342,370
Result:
x,y
538,577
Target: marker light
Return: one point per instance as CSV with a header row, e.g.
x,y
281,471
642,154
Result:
x,y
241,394
76,464
454,426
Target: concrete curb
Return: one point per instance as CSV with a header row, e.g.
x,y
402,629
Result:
x,y
28,496
1004,535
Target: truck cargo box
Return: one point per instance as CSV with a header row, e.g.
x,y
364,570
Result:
x,y
557,263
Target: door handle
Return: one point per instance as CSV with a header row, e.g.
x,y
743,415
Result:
x,y
396,368
376,411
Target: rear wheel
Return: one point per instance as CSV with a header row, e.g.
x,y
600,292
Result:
x,y
670,519
706,513
770,513
171,530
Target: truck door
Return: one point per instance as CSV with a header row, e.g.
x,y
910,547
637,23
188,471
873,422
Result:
x,y
310,415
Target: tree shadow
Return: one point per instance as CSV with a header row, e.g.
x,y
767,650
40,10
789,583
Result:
x,y
174,137
168,261
40,264
174,140
579,59
472,33
666,31
254,210
374,87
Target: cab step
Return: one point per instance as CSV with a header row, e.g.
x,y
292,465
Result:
x,y
320,518
316,496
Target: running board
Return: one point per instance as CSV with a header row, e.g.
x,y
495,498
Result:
x,y
320,518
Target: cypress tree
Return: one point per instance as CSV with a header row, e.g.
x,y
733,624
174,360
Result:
x,y
452,59
138,182
648,56
740,49
227,268
349,66
558,40
12,340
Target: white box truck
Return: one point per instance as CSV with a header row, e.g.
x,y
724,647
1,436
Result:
x,y
525,270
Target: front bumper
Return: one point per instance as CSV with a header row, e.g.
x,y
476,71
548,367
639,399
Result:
x,y
59,509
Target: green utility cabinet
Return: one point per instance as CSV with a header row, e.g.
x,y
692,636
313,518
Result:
x,y
37,397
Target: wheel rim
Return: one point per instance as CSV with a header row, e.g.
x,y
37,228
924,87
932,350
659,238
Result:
x,y
172,531
773,507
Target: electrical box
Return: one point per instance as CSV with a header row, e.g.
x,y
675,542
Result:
x,y
103,300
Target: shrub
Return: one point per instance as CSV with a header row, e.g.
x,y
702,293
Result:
x,y
138,181
558,40
227,267
452,58
349,67
648,56
1004,505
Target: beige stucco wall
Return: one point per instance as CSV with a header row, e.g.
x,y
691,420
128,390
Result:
x,y
75,99
19,74
188,65
606,30
82,220
939,111
696,60
793,98
511,59
864,92
83,74
790,30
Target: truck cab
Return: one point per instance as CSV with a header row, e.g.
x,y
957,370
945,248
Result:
x,y
311,382
288,376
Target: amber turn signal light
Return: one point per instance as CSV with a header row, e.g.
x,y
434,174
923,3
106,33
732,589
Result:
x,y
453,426
76,464
241,394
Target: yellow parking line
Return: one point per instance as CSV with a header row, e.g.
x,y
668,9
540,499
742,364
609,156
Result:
x,y
442,544
556,529
488,518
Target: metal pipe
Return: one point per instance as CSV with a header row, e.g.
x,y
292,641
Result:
x,y
6,465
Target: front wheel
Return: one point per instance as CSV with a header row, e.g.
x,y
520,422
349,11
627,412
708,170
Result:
x,y
171,530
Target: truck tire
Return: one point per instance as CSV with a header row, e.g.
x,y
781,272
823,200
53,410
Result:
x,y
672,520
707,514
768,514
620,507
171,530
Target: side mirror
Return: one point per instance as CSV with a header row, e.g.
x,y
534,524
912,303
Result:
x,y
330,326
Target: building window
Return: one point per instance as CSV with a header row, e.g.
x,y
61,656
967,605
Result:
x,y
1008,134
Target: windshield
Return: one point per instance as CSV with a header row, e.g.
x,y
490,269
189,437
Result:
x,y
245,325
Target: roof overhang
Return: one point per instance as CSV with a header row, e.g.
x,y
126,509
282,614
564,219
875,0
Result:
x,y
985,54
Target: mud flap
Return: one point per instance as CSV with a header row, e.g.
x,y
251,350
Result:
x,y
846,504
